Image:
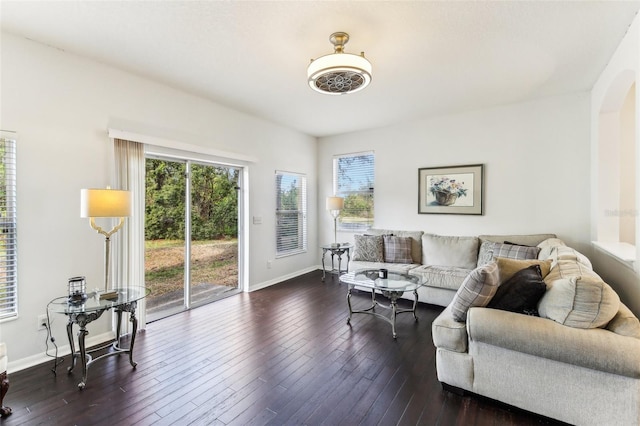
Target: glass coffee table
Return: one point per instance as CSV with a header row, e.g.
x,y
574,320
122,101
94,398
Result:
x,y
392,287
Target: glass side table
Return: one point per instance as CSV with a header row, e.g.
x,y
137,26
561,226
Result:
x,y
90,310
336,251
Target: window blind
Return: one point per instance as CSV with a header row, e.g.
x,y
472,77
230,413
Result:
x,y
353,179
8,237
291,213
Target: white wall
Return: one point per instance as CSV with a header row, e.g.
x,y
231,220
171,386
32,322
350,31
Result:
x,y
607,98
536,158
61,105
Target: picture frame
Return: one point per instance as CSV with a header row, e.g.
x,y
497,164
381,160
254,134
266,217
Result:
x,y
451,190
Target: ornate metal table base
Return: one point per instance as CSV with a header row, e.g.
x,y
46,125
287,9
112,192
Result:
x,y
336,251
4,387
393,297
82,319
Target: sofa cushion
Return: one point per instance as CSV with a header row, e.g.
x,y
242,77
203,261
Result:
x,y
416,240
508,267
441,250
448,333
448,277
521,292
625,323
368,248
476,290
580,302
356,265
397,249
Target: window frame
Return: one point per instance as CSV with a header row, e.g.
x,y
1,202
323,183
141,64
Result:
x,y
283,250
370,192
8,222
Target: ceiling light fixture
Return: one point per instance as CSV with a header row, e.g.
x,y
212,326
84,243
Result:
x,y
339,73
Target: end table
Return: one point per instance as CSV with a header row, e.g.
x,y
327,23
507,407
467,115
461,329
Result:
x,y
336,250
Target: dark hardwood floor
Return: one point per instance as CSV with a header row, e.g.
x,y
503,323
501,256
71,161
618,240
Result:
x,y
281,355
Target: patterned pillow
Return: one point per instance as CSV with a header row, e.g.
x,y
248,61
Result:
x,y
489,250
514,251
397,249
368,248
476,290
485,255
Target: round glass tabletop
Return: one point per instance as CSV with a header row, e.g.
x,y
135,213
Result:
x,y
395,281
94,303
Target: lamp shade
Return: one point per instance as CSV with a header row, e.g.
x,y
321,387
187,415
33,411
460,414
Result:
x,y
335,203
105,203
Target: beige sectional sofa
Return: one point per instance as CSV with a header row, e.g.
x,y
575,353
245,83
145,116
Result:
x,y
444,261
578,362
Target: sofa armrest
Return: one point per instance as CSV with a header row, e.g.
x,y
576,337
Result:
x,y
595,348
448,333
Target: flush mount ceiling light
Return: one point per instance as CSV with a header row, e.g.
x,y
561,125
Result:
x,y
339,73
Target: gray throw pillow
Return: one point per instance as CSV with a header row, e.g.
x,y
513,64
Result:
x,y
514,251
368,248
476,290
490,250
397,249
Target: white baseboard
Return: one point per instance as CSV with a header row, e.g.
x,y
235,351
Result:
x,y
278,280
63,350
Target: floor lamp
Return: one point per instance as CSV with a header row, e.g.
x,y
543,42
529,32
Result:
x,y
110,203
334,205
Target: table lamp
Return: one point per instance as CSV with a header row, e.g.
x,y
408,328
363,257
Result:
x,y
334,205
110,203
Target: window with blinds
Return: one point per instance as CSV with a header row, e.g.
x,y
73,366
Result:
x,y
8,237
291,213
353,179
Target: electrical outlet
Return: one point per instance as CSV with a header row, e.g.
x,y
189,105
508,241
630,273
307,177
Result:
x,y
269,263
42,322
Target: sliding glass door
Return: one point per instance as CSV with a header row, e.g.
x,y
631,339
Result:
x,y
191,234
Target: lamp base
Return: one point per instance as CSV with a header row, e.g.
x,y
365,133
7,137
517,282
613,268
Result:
x,y
109,295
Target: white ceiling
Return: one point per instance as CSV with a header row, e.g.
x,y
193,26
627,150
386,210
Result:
x,y
428,57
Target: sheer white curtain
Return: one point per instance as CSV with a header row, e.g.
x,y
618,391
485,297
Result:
x,y
129,241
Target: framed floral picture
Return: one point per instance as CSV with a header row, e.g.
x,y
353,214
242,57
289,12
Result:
x,y
450,190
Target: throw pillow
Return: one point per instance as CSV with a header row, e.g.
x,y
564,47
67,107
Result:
x,y
508,267
548,245
485,255
397,249
477,289
439,250
521,292
368,248
580,302
515,251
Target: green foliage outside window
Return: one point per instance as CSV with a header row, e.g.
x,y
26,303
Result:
x,y
214,201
